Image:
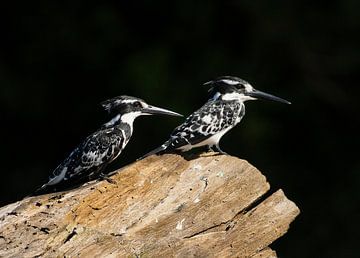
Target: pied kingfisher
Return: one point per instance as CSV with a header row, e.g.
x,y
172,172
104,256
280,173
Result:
x,y
221,112
90,158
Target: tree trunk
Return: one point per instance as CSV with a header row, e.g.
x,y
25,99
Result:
x,y
162,206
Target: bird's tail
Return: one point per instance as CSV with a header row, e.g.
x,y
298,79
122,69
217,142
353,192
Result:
x,y
39,191
157,150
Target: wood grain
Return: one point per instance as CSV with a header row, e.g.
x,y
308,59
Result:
x,y
162,206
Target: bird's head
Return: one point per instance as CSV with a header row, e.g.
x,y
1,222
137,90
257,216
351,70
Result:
x,y
130,107
234,88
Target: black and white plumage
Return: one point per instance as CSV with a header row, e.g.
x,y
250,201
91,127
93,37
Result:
x,y
221,113
99,149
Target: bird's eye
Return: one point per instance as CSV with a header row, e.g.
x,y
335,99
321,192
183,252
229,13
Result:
x,y
239,86
138,105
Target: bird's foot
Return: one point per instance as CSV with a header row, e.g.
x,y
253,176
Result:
x,y
210,149
221,152
107,178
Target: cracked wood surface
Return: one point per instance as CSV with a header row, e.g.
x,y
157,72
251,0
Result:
x,y
162,206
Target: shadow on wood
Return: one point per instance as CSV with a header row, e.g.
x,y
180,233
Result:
x,y
162,206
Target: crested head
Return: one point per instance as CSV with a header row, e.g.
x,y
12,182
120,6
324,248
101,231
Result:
x,y
123,104
128,108
230,88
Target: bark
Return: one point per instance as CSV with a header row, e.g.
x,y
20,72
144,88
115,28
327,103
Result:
x,y
162,206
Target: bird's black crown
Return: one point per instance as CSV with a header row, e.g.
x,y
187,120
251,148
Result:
x,y
123,104
227,84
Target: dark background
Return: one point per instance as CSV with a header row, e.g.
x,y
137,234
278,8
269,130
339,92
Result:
x,y
58,61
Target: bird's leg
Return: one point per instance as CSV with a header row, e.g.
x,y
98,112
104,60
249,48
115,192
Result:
x,y
217,148
102,176
210,148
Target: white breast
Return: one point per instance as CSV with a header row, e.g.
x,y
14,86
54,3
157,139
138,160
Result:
x,y
211,141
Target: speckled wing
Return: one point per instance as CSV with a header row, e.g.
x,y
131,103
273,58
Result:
x,y
209,120
98,149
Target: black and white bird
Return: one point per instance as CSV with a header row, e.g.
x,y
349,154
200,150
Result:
x,y
90,158
221,113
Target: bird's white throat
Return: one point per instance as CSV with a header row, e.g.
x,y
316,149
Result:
x,y
130,117
235,96
127,118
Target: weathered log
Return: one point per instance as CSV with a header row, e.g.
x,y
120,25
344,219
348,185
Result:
x,y
161,206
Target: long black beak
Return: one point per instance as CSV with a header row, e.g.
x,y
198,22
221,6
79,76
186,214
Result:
x,y
151,110
262,95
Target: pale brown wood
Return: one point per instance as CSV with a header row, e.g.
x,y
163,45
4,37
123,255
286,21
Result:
x,y
265,253
162,206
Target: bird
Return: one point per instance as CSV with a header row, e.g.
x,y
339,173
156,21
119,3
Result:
x,y
99,149
222,112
